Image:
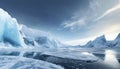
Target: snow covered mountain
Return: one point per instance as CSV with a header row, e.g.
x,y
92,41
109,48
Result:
x,y
98,42
15,35
102,42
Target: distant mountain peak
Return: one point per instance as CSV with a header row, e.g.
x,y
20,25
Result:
x,y
101,38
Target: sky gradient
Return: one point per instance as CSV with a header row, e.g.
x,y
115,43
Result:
x,y
72,21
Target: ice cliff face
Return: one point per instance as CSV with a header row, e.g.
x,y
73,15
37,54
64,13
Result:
x,y
9,29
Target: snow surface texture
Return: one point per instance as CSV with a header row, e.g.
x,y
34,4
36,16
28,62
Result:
x,y
9,29
12,62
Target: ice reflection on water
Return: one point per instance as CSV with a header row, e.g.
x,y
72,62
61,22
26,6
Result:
x,y
110,58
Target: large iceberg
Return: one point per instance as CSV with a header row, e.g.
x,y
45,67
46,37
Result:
x,y
9,29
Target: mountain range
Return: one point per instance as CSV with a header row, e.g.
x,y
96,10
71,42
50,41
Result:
x,y
102,42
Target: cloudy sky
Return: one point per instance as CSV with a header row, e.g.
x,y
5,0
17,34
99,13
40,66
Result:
x,y
71,21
